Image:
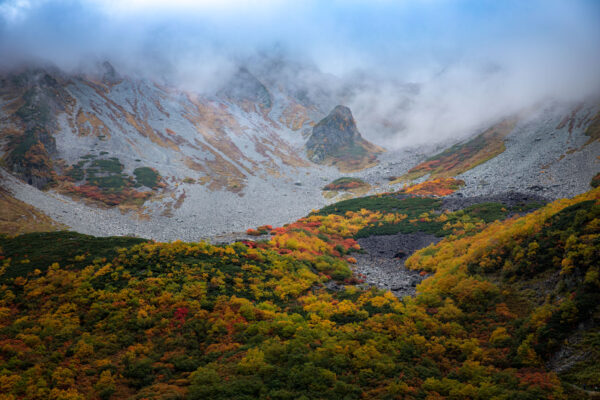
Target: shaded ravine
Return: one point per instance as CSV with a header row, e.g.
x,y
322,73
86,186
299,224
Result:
x,y
382,263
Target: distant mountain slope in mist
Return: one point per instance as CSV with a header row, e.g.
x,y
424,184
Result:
x,y
96,136
464,156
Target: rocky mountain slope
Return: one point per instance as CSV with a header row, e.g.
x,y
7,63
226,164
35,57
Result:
x,y
17,217
551,150
108,142
106,153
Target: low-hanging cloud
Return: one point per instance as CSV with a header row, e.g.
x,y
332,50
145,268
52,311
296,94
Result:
x,y
413,71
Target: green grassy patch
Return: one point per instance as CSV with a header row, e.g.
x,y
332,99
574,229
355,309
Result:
x,y
109,183
477,213
103,180
487,212
433,228
76,173
387,203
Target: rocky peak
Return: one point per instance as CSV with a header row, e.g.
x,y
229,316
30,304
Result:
x,y
336,130
109,74
336,140
340,120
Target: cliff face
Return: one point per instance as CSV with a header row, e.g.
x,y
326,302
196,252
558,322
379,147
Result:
x,y
335,140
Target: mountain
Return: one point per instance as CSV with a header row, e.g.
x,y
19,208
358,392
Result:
x,y
335,140
104,152
551,149
244,88
466,282
465,156
57,120
104,140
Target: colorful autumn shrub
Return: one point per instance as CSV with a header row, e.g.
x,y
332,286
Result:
x,y
434,187
102,180
346,183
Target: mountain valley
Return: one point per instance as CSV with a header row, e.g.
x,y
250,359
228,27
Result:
x,y
299,200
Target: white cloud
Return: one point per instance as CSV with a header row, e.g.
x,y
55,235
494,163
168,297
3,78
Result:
x,y
13,11
472,65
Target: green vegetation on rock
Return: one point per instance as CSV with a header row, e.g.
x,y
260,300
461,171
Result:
x,y
40,250
146,176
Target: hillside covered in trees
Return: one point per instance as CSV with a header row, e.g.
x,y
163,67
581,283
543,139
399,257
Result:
x,y
111,318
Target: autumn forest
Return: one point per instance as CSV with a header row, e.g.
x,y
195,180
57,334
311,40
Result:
x,y
84,317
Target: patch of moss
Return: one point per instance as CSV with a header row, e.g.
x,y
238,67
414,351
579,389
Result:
x,y
146,176
109,183
112,165
76,173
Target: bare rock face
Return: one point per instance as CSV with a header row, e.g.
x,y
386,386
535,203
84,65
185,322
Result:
x,y
335,140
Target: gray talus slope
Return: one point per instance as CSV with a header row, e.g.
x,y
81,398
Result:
x,y
542,157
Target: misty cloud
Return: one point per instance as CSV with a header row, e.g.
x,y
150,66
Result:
x,y
413,71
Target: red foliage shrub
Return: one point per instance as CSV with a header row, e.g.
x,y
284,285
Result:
x,y
180,315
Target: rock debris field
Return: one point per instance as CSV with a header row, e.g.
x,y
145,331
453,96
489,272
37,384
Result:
x,y
382,264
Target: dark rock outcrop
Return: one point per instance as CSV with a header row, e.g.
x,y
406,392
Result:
x,y
382,263
109,74
336,140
